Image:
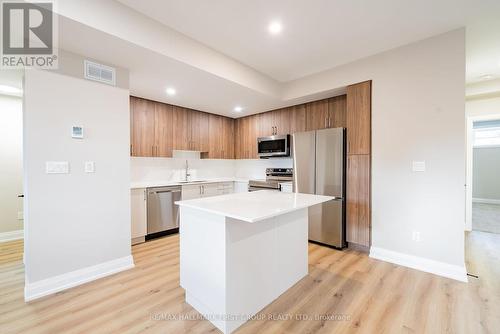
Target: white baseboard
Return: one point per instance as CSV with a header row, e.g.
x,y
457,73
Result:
x,y
11,235
62,282
486,201
455,272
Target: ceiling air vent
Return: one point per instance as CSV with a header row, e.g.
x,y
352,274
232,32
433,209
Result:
x,y
99,72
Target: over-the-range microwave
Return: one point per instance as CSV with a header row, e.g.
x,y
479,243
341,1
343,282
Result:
x,y
273,146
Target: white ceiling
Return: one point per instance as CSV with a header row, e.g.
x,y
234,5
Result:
x,y
224,56
317,34
151,73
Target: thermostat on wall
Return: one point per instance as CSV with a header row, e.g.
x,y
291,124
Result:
x,y
77,132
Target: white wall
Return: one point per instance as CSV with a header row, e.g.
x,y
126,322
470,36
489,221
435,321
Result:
x,y
78,220
486,183
11,166
417,114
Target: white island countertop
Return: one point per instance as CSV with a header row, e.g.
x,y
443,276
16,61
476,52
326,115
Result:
x,y
254,206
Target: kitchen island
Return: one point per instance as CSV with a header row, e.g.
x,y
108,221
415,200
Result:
x,y
239,252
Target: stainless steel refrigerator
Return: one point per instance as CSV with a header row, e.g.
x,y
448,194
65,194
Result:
x,y
319,162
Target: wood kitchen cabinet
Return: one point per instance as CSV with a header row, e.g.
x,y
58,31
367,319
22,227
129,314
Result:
x,y
198,125
164,137
181,131
358,199
327,113
246,133
359,118
221,137
142,127
317,115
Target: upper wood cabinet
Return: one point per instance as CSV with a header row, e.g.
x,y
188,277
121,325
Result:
x,y
164,137
227,138
198,125
317,115
327,113
158,128
142,126
297,118
337,111
221,137
247,130
359,118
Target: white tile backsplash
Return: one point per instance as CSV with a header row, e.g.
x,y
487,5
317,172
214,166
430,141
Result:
x,y
172,169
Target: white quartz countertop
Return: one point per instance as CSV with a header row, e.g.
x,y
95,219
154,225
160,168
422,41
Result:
x,y
254,206
152,184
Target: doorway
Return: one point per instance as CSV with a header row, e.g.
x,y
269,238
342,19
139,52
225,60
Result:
x,y
11,166
485,176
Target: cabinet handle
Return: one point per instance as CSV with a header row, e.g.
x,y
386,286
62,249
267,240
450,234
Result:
x,y
326,121
329,125
131,151
152,151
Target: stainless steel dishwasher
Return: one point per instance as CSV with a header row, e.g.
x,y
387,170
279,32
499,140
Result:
x,y
162,212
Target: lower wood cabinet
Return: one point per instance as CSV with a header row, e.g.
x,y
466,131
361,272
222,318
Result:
x,y
358,199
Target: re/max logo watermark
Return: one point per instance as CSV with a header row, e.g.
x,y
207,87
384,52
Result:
x,y
29,34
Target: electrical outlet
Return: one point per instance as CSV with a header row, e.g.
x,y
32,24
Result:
x,y
416,236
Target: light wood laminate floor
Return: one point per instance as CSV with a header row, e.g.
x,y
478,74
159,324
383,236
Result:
x,y
344,292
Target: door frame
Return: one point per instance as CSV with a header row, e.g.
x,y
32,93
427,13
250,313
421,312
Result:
x,y
469,169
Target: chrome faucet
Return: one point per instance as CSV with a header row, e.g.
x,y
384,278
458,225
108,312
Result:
x,y
187,171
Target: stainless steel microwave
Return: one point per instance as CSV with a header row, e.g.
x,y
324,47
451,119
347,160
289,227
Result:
x,y
273,146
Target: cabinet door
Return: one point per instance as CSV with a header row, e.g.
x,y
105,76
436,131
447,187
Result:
x,y
142,124
359,118
297,115
337,110
265,124
317,115
253,134
138,212
210,189
181,132
358,199
198,124
164,140
227,138
191,192
281,121
215,141
238,138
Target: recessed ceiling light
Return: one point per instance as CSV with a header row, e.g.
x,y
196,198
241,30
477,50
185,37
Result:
x,y
9,90
275,28
171,91
238,109
486,77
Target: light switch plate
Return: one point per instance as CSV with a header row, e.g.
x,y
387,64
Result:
x,y
418,166
89,167
57,167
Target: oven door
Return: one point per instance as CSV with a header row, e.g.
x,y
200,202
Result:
x,y
273,146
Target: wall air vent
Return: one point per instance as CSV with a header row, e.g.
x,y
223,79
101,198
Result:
x,y
99,72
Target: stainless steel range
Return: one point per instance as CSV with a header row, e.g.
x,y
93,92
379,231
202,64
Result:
x,y
274,176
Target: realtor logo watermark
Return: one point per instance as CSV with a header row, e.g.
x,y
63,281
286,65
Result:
x,y
29,34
